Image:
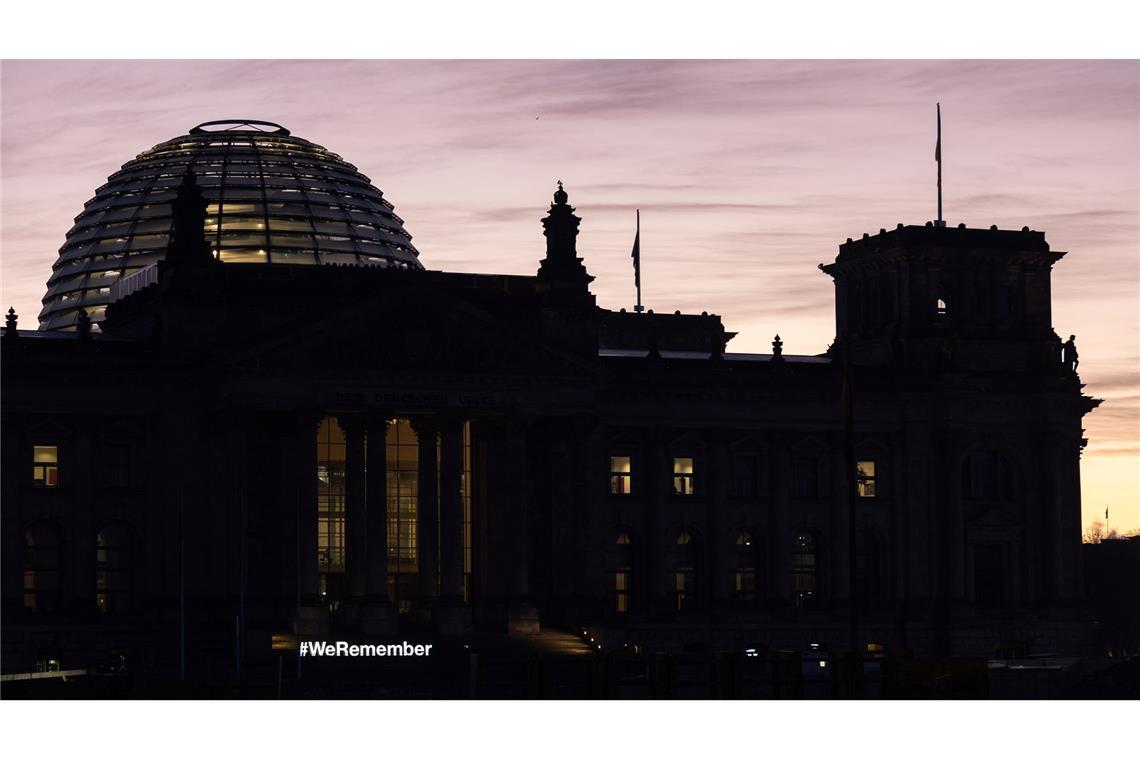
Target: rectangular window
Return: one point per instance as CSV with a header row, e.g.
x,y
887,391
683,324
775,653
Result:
x,y
115,466
683,476
746,584
865,478
621,590
746,474
807,478
684,588
621,479
45,466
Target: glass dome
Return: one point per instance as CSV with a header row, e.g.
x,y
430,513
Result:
x,y
274,198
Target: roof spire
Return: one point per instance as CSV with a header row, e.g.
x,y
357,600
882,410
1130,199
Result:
x,y
10,330
560,196
187,242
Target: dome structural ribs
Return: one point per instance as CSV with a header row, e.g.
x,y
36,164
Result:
x,y
272,198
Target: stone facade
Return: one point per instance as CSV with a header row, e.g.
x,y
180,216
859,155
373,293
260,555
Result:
x,y
576,467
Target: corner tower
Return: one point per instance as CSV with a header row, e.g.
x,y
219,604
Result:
x,y
947,298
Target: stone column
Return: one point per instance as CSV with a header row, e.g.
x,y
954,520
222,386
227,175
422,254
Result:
x,y
377,616
427,509
782,522
313,616
588,579
836,587
522,615
956,528
720,546
653,480
15,451
452,616
355,513
81,521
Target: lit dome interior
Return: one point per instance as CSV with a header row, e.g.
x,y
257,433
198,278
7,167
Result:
x,y
274,198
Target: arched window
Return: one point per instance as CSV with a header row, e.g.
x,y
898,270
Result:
x,y
41,568
684,571
621,574
746,569
112,569
987,475
869,571
941,307
805,571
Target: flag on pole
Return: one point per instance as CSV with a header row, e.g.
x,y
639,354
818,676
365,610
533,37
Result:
x,y
938,159
938,143
637,252
636,255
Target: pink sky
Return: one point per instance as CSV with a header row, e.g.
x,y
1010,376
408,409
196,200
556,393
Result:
x,y
747,174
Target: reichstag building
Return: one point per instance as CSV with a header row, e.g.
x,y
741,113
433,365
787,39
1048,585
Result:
x,y
250,411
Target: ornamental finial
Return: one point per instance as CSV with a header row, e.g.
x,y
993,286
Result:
x,y
560,196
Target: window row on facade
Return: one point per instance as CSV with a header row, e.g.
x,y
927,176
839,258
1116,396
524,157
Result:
x,y
748,480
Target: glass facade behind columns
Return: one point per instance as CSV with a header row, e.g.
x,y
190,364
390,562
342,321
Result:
x,y
273,198
403,505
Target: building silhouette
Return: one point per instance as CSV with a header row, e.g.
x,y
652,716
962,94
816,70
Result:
x,y
250,411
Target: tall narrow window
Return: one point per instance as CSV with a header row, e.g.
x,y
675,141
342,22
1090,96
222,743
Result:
x,y
745,472
621,478
987,475
112,569
41,568
865,478
744,558
331,471
683,476
684,572
403,490
804,571
115,465
621,573
807,477
869,571
941,308
45,466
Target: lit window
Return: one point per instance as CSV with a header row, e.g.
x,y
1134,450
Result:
x,y
621,590
621,481
746,584
865,478
684,572
621,573
45,470
941,308
683,476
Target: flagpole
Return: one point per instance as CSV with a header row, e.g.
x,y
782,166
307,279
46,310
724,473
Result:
x,y
637,262
938,157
